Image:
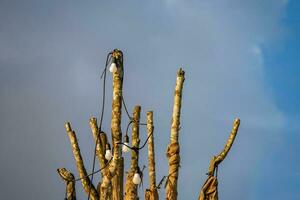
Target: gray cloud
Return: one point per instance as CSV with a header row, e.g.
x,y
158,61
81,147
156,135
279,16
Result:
x,y
51,55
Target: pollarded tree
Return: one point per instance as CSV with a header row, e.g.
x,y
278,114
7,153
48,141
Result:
x,y
111,161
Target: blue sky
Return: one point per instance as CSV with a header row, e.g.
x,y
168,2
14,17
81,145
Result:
x,y
282,69
282,64
241,60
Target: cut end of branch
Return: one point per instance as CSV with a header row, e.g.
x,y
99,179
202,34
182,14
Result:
x,y
237,121
93,120
65,174
180,73
149,113
68,126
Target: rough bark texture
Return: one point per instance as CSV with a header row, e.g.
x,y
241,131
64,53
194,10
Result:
x,y
151,193
105,186
209,190
131,190
69,179
216,160
99,147
79,163
103,138
173,148
116,131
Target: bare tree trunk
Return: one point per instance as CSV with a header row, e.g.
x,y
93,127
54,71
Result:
x,y
131,190
173,148
79,163
118,160
151,193
106,186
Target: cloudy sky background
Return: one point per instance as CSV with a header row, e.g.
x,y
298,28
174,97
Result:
x,y
241,60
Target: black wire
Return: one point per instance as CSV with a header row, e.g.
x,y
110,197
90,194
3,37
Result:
x,y
160,182
100,125
123,100
138,148
95,172
101,120
103,91
217,168
130,118
128,127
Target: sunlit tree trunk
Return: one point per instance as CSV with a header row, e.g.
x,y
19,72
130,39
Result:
x,y
116,132
151,193
86,183
173,148
131,190
209,190
69,179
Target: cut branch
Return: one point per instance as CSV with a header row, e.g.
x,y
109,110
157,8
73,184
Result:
x,y
80,165
216,160
69,179
173,148
209,190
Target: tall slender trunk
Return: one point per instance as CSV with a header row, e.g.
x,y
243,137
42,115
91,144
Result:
x,y
118,160
151,193
174,148
131,190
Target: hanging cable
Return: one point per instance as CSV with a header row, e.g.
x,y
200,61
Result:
x,y
128,115
103,75
95,172
101,120
137,148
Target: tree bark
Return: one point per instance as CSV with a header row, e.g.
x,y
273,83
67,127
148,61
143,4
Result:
x,y
151,193
209,190
69,179
131,190
216,160
80,165
173,148
97,138
118,160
